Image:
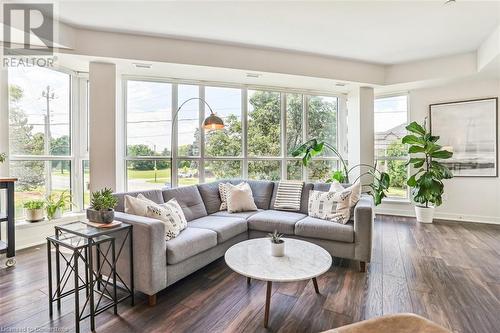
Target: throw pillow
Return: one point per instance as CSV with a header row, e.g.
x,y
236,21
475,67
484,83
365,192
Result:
x,y
354,188
173,209
172,229
331,206
288,195
135,206
223,194
240,198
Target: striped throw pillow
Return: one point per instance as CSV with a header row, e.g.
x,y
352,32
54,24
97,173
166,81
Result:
x,y
288,195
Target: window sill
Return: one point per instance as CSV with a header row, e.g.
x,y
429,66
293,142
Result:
x,y
68,217
396,201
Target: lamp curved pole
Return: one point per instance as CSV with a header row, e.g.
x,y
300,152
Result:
x,y
174,118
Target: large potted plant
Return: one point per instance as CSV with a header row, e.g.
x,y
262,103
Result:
x,y
33,210
102,204
378,186
56,204
426,183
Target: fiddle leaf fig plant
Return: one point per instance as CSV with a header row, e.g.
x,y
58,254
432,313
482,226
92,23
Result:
x,y
381,180
427,182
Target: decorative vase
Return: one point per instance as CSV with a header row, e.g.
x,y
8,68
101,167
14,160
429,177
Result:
x,y
424,214
34,215
278,249
100,216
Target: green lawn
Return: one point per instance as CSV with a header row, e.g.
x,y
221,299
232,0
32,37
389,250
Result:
x,y
396,192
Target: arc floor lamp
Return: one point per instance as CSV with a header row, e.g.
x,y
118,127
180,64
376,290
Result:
x,y
212,122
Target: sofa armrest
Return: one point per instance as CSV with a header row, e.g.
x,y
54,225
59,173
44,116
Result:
x,y
150,259
363,228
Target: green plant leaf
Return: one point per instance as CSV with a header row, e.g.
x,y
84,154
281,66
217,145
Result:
x,y
416,149
411,181
443,154
414,127
412,139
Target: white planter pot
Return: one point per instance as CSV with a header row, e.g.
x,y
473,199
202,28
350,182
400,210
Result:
x,y
57,214
424,214
278,250
34,215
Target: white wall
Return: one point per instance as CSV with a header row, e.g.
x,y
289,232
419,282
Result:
x,y
470,198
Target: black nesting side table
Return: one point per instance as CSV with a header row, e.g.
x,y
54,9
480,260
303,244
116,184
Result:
x,y
97,249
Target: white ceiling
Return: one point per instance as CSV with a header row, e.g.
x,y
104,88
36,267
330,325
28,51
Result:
x,y
385,32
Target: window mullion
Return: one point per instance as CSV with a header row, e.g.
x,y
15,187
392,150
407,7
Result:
x,y
305,129
173,144
283,135
244,131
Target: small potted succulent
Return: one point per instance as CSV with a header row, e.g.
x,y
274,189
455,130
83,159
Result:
x,y
102,204
277,244
56,204
33,210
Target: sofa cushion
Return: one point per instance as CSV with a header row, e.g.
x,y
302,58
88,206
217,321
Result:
x,y
244,215
189,199
188,243
322,229
210,194
261,190
270,220
304,201
154,195
225,227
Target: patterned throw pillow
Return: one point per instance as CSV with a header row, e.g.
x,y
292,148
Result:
x,y
170,213
240,198
331,206
354,188
223,196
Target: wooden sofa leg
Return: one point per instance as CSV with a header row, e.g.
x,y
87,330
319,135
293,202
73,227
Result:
x,y
362,266
152,300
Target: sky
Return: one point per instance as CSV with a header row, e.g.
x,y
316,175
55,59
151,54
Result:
x,y
33,82
390,112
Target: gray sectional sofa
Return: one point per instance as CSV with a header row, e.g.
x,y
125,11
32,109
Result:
x,y
210,232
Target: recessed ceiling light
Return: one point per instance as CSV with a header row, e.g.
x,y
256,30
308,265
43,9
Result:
x,y
254,75
139,65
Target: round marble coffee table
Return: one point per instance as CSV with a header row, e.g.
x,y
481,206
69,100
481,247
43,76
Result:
x,y
302,261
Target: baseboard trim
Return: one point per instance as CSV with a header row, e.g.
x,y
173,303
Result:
x,y
441,216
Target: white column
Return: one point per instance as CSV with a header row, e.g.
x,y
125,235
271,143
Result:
x,y
102,125
361,128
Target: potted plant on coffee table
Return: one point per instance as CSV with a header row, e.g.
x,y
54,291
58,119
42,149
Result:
x,y
102,204
56,204
277,244
33,210
426,183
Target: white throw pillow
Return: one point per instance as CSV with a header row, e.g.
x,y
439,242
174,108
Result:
x,y
136,206
240,198
223,193
354,188
331,206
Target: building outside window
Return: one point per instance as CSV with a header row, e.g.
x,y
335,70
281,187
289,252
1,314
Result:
x,y
391,118
42,139
262,127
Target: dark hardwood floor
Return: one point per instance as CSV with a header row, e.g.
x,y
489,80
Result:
x,y
447,272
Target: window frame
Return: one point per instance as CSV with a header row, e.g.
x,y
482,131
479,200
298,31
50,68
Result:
x,y
393,199
244,158
78,133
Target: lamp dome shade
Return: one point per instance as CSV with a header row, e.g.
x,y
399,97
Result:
x,y
213,122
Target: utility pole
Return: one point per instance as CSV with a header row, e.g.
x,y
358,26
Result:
x,y
48,95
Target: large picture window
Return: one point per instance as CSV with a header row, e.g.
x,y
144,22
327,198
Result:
x,y
391,118
41,123
262,127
